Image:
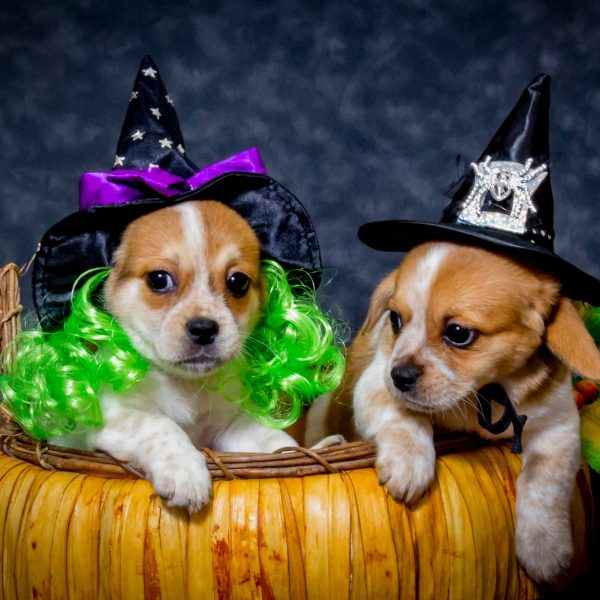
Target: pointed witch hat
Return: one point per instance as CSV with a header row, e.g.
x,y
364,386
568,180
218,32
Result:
x,y
504,203
151,170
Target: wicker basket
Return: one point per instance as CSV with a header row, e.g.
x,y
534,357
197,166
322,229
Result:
x,y
294,524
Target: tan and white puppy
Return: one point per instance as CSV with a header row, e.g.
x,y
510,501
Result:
x,y
186,287
448,321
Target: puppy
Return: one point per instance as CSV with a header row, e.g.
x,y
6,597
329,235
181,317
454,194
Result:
x,y
186,288
448,321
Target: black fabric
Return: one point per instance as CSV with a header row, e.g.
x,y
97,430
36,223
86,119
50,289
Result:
x,y
522,135
401,236
85,240
149,93
282,225
494,392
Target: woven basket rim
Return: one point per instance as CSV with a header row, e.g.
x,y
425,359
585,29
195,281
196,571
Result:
x,y
293,461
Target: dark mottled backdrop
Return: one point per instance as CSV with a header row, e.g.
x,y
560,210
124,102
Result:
x,y
360,108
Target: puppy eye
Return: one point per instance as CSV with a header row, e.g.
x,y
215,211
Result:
x,y
458,336
160,281
238,284
395,321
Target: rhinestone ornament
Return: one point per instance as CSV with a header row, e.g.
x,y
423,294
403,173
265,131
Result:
x,y
502,179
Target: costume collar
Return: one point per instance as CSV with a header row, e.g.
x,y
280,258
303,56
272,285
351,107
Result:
x,y
495,392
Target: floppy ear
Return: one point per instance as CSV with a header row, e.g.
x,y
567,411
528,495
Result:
x,y
568,339
379,301
360,354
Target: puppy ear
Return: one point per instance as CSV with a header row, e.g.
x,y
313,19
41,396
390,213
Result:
x,y
379,301
568,339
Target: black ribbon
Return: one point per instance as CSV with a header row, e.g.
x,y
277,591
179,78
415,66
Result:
x,y
495,392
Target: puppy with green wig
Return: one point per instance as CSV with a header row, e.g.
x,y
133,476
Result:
x,y
177,311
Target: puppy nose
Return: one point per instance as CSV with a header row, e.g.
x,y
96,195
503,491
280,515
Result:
x,y
202,331
405,376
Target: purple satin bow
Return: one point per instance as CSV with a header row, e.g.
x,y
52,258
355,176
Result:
x,y
123,186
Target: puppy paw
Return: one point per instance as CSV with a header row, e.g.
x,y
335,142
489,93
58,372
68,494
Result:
x,y
406,472
182,480
330,440
544,546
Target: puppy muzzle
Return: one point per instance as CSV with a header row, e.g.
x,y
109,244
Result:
x,y
202,331
405,376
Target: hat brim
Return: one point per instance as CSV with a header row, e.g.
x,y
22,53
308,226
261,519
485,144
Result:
x,y
401,236
87,239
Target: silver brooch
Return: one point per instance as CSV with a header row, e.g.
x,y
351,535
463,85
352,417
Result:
x,y
511,186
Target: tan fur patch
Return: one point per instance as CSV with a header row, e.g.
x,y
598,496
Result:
x,y
156,242
148,245
568,339
232,247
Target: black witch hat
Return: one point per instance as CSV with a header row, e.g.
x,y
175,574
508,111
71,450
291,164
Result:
x,y
151,170
504,203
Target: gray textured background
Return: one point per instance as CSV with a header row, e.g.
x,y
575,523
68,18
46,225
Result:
x,y
360,108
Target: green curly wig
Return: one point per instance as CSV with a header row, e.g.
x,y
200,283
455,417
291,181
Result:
x,y
52,380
